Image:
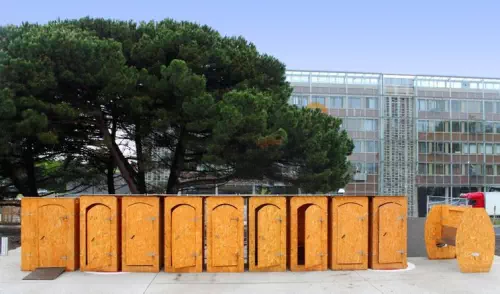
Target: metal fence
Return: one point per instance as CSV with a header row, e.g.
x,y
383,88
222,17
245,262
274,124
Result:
x,y
434,200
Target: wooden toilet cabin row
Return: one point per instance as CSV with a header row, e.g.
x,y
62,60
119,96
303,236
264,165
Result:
x,y
186,233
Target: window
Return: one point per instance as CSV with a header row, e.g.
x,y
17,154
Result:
x,y
497,149
475,127
358,167
371,103
439,169
355,102
422,169
441,126
357,147
455,127
488,127
422,147
440,147
372,168
423,126
488,107
456,148
474,107
441,105
456,106
457,169
354,124
498,107
497,128
472,148
480,148
337,102
370,125
422,105
319,99
300,101
489,170
371,146
475,170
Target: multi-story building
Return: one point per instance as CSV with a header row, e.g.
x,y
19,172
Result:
x,y
415,135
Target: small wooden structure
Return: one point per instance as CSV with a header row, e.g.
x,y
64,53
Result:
x,y
267,234
225,234
308,227
184,234
388,232
49,234
463,233
141,234
99,233
349,233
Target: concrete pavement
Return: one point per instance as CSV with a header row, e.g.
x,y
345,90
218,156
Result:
x,y
427,277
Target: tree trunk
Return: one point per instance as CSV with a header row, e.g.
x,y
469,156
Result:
x,y
110,166
177,164
141,176
29,164
123,165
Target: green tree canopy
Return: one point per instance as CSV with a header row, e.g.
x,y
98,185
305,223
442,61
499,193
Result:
x,y
215,104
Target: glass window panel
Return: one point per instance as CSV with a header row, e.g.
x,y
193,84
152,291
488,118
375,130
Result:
x,y
456,106
372,168
423,126
422,105
474,107
488,127
358,146
300,101
439,147
497,128
455,127
422,147
456,148
465,149
319,99
370,125
440,126
480,148
422,168
472,148
490,170
337,102
497,107
457,169
475,127
497,149
371,103
439,169
355,102
488,107
371,146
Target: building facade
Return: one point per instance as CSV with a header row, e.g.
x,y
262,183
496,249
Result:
x,y
414,135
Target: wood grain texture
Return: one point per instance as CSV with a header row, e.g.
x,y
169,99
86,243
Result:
x,y
475,242
308,228
99,233
140,233
225,234
388,232
184,234
349,233
48,233
267,234
433,234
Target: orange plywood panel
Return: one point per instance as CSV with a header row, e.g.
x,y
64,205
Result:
x,y
388,219
349,233
141,233
183,234
267,233
308,229
99,233
49,233
225,234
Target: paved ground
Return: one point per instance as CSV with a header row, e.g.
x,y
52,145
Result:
x,y
427,277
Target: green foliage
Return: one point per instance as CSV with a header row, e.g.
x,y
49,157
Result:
x,y
215,103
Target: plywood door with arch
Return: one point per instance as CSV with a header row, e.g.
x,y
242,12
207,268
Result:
x,y
99,233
